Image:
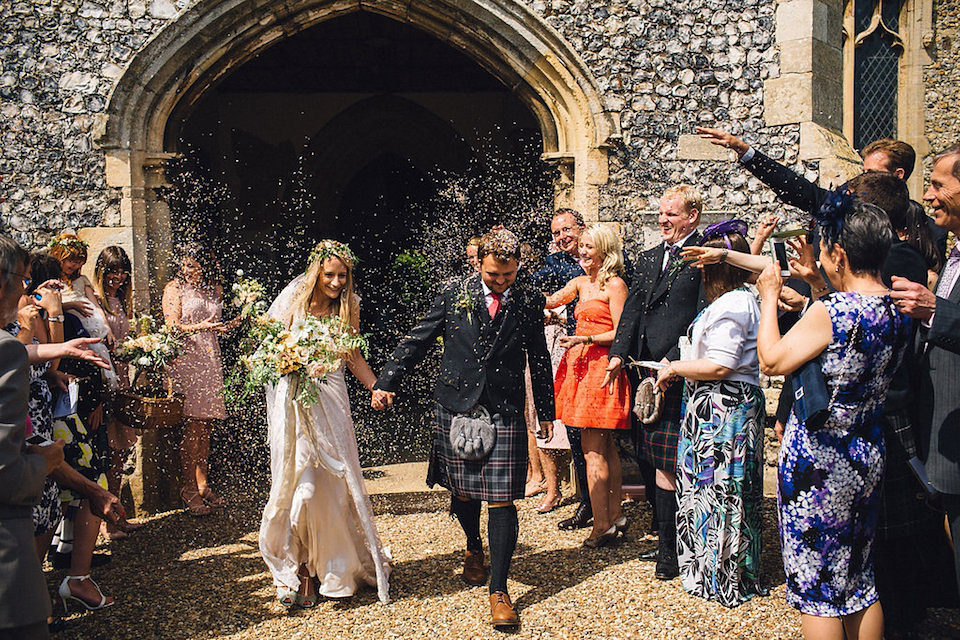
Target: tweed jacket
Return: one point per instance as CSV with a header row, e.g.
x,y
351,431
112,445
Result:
x,y
938,404
480,362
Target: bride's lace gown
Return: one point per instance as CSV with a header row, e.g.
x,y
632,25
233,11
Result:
x,y
319,512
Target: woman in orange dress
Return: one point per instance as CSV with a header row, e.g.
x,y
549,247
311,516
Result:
x,y
582,400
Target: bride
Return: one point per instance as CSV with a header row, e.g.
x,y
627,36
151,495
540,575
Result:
x,y
317,526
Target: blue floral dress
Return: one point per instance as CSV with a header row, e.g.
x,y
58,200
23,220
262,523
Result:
x,y
829,480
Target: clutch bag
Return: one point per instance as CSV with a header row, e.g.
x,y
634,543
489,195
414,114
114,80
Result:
x,y
811,400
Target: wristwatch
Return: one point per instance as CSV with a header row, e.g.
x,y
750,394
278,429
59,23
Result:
x,y
58,318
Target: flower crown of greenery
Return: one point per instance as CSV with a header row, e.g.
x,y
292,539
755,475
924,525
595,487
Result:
x,y
69,243
330,248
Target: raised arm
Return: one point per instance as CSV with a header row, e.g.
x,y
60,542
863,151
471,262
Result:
x,y
806,340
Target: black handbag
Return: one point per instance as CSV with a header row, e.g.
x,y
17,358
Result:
x,y
811,400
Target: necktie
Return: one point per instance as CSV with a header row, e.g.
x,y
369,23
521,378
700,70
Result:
x,y
673,252
949,271
494,307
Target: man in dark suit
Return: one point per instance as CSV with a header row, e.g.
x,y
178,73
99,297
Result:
x,y
938,403
663,301
491,328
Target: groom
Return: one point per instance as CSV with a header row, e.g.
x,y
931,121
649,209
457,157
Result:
x,y
491,328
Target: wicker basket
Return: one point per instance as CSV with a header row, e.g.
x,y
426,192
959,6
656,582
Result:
x,y
146,408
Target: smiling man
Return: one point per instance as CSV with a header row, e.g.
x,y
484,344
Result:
x,y
491,327
663,300
938,403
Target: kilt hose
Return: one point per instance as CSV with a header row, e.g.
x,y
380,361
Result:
x,y
499,477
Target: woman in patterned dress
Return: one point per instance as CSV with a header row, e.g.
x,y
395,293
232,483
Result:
x,y
720,452
193,303
829,478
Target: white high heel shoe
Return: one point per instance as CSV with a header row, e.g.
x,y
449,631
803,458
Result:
x,y
66,594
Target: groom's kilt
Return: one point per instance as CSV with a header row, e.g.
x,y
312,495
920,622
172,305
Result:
x,y
500,477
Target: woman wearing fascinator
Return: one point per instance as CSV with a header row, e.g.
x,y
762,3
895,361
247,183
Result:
x,y
318,524
720,452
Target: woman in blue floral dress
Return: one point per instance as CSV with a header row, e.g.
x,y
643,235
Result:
x,y
829,486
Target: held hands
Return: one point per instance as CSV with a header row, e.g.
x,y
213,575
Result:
x,y
913,299
381,399
545,431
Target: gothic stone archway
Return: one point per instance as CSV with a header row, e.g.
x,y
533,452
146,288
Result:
x,y
171,74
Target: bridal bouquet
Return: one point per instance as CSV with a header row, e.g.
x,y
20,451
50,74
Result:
x,y
150,350
311,349
248,295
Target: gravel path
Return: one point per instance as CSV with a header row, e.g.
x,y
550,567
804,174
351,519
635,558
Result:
x,y
182,577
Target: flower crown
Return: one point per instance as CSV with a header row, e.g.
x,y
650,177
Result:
x,y
836,206
75,244
330,248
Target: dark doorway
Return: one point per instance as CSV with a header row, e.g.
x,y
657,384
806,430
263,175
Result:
x,y
354,129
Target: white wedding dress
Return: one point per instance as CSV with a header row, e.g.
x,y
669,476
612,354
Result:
x,y
319,512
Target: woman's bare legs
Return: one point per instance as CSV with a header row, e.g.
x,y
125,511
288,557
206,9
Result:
x,y
551,474
866,624
194,449
86,526
535,476
595,447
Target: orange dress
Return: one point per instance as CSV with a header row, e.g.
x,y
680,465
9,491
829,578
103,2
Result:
x,y
581,401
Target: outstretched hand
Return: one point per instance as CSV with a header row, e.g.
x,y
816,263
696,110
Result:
x,y
381,399
79,348
701,256
723,139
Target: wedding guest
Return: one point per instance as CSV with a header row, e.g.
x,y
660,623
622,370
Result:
x,y
582,400
663,300
491,327
114,295
471,251
720,452
318,524
829,475
79,296
193,304
24,603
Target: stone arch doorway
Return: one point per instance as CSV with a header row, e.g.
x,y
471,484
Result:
x,y
198,50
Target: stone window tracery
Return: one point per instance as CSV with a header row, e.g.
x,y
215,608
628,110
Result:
x,y
873,46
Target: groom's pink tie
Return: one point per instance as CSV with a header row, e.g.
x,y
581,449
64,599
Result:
x,y
494,307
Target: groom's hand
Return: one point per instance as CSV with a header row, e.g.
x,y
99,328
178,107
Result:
x,y
545,431
381,399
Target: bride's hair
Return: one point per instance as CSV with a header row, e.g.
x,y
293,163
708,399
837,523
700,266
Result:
x,y
348,299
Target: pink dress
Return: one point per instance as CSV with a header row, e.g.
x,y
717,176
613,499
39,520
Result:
x,y
197,373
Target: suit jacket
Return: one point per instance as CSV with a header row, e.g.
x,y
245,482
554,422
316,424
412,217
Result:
x,y
938,404
23,592
480,361
659,307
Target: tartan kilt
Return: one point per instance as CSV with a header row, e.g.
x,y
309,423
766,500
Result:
x,y
500,477
661,438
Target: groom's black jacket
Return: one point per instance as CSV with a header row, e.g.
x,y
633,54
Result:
x,y
483,359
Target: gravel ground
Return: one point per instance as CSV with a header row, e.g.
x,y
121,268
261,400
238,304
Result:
x,y
181,577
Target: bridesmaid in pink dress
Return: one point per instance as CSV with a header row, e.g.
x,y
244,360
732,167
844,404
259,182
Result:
x,y
192,302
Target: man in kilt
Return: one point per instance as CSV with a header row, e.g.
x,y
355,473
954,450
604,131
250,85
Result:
x,y
663,300
491,328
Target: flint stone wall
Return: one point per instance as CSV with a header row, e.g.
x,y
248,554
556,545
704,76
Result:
x,y
663,66
942,80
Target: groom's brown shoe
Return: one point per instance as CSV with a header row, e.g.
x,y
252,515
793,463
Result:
x,y
502,613
474,573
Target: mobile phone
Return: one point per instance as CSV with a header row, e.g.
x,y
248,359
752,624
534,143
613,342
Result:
x,y
39,440
779,251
